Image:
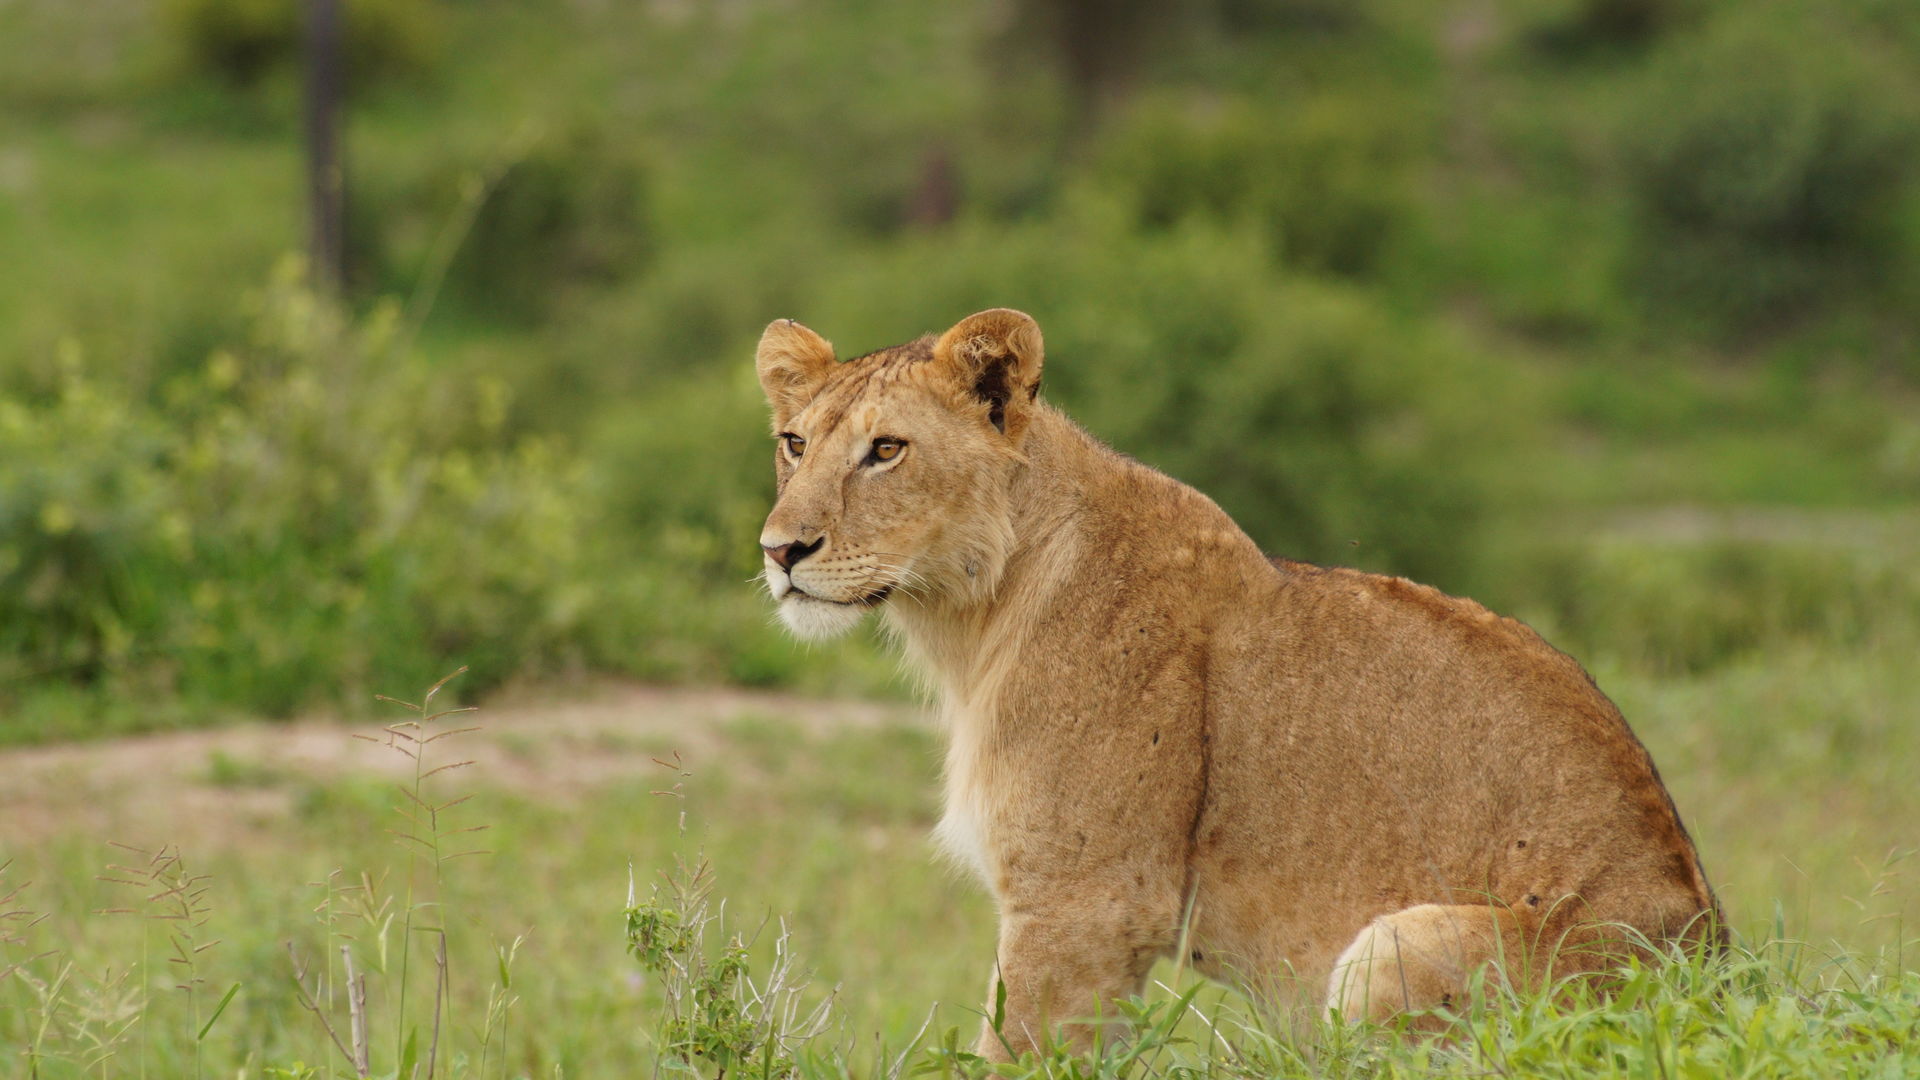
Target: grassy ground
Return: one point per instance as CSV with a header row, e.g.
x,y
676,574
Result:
x,y
814,816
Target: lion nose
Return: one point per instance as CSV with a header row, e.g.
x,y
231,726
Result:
x,y
788,554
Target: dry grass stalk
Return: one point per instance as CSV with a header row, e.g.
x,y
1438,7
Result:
x,y
357,1010
308,1002
439,1002
15,922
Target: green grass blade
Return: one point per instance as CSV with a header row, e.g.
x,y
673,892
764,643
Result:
x,y
225,1000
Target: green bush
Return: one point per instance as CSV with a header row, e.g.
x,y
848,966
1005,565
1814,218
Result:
x,y
317,512
1322,179
1335,432
241,42
1766,157
1688,606
569,209
504,235
1571,27
307,515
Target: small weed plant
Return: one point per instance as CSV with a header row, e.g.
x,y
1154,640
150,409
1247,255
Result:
x,y
717,1018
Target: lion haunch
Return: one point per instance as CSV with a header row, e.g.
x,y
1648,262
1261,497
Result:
x,y
1348,790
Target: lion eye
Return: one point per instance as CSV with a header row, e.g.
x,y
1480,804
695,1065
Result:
x,y
887,449
795,444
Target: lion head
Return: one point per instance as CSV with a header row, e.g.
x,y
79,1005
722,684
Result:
x,y
894,470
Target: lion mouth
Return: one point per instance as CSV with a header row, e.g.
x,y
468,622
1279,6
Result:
x,y
872,599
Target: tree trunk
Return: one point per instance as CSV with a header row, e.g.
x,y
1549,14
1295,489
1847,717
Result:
x,y
326,171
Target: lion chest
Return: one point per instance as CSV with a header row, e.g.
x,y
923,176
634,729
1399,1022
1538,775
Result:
x,y
963,834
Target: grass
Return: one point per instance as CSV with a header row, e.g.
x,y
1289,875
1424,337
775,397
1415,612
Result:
x,y
802,829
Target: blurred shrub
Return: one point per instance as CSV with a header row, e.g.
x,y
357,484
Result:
x,y
508,238
307,511
569,210
1576,26
1335,429
1290,16
1095,45
1321,179
1673,607
691,466
314,514
1765,157
241,42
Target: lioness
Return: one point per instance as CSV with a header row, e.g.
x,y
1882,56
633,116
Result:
x,y
1351,789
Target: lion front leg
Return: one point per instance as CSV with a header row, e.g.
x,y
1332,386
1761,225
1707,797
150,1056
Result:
x,y
1063,968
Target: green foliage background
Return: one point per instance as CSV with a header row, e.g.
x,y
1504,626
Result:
x,y
1597,310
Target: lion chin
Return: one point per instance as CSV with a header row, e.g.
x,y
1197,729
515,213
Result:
x,y
810,619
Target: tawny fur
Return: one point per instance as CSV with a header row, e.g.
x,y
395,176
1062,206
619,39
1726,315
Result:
x,y
1341,789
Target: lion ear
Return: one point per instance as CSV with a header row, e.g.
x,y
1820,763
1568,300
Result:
x,y
793,362
996,356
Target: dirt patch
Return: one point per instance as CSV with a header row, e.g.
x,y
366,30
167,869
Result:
x,y
200,784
